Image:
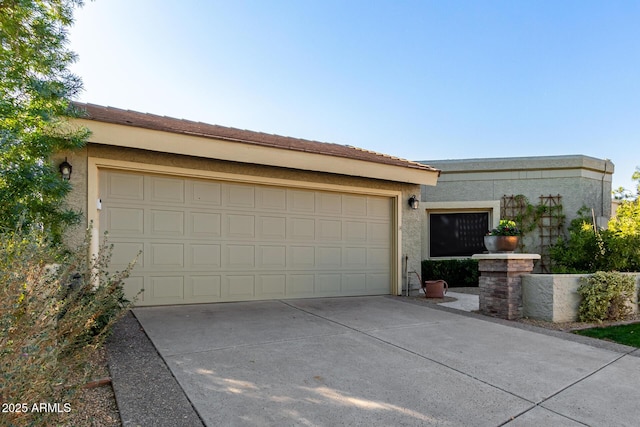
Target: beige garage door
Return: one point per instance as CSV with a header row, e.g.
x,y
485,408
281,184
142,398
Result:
x,y
213,241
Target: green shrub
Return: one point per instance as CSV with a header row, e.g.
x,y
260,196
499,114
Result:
x,y
456,272
589,249
52,319
605,296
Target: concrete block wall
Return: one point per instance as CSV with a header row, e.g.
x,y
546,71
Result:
x,y
554,297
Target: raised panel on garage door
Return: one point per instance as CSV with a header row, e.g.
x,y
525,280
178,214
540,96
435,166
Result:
x,y
213,241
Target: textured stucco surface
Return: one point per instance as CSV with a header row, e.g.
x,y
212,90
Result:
x,y
580,180
554,297
77,199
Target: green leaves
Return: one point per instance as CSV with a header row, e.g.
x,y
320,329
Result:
x,y
588,249
606,296
35,92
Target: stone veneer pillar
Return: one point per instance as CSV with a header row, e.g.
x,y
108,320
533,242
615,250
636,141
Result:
x,y
500,283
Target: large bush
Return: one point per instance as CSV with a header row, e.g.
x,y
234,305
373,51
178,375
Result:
x,y
53,316
606,296
456,272
589,249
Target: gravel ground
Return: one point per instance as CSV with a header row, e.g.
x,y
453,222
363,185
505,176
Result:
x,y
97,404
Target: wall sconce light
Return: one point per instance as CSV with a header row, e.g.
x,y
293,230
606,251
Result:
x,y
65,170
414,202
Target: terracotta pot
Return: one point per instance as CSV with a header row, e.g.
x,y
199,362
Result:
x,y
435,288
498,244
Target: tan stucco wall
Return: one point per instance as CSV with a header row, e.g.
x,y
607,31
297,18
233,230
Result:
x,y
409,229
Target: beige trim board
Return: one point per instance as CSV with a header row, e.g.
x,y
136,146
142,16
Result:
x,y
466,206
190,145
93,185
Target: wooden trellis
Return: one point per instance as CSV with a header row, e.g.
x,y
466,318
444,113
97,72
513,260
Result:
x,y
548,217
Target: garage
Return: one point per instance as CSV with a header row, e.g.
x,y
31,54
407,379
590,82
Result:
x,y
221,214
214,241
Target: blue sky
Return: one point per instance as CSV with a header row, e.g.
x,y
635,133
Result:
x,y
415,79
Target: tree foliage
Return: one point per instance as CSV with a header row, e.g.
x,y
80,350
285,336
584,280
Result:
x,y
622,193
589,249
36,89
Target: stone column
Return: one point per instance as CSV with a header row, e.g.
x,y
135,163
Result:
x,y
500,283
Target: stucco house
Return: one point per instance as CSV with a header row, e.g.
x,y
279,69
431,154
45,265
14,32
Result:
x,y
472,195
221,214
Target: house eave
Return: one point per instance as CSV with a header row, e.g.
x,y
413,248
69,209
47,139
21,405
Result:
x,y
223,149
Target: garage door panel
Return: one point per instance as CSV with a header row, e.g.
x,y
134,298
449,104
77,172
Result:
x,y
301,201
355,257
206,286
377,282
239,287
274,199
354,283
301,257
210,241
124,221
378,207
378,233
271,285
206,193
166,222
123,186
125,252
329,229
239,196
166,190
329,204
329,257
301,228
272,256
355,205
301,285
328,284
204,256
239,256
166,255
205,225
355,231
169,288
271,228
134,288
378,257
240,225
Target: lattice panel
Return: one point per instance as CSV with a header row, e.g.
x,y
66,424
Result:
x,y
549,227
549,222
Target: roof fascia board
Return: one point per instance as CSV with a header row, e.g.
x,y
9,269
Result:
x,y
189,145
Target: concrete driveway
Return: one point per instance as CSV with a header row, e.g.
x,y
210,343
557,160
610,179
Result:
x,y
385,361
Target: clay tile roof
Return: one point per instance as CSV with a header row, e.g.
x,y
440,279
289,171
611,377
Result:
x,y
187,127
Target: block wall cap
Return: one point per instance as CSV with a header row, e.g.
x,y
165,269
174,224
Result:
x,y
506,256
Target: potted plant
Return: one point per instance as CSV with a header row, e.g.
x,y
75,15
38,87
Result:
x,y
503,238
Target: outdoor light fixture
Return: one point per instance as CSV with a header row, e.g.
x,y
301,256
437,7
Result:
x,y
414,202
65,170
